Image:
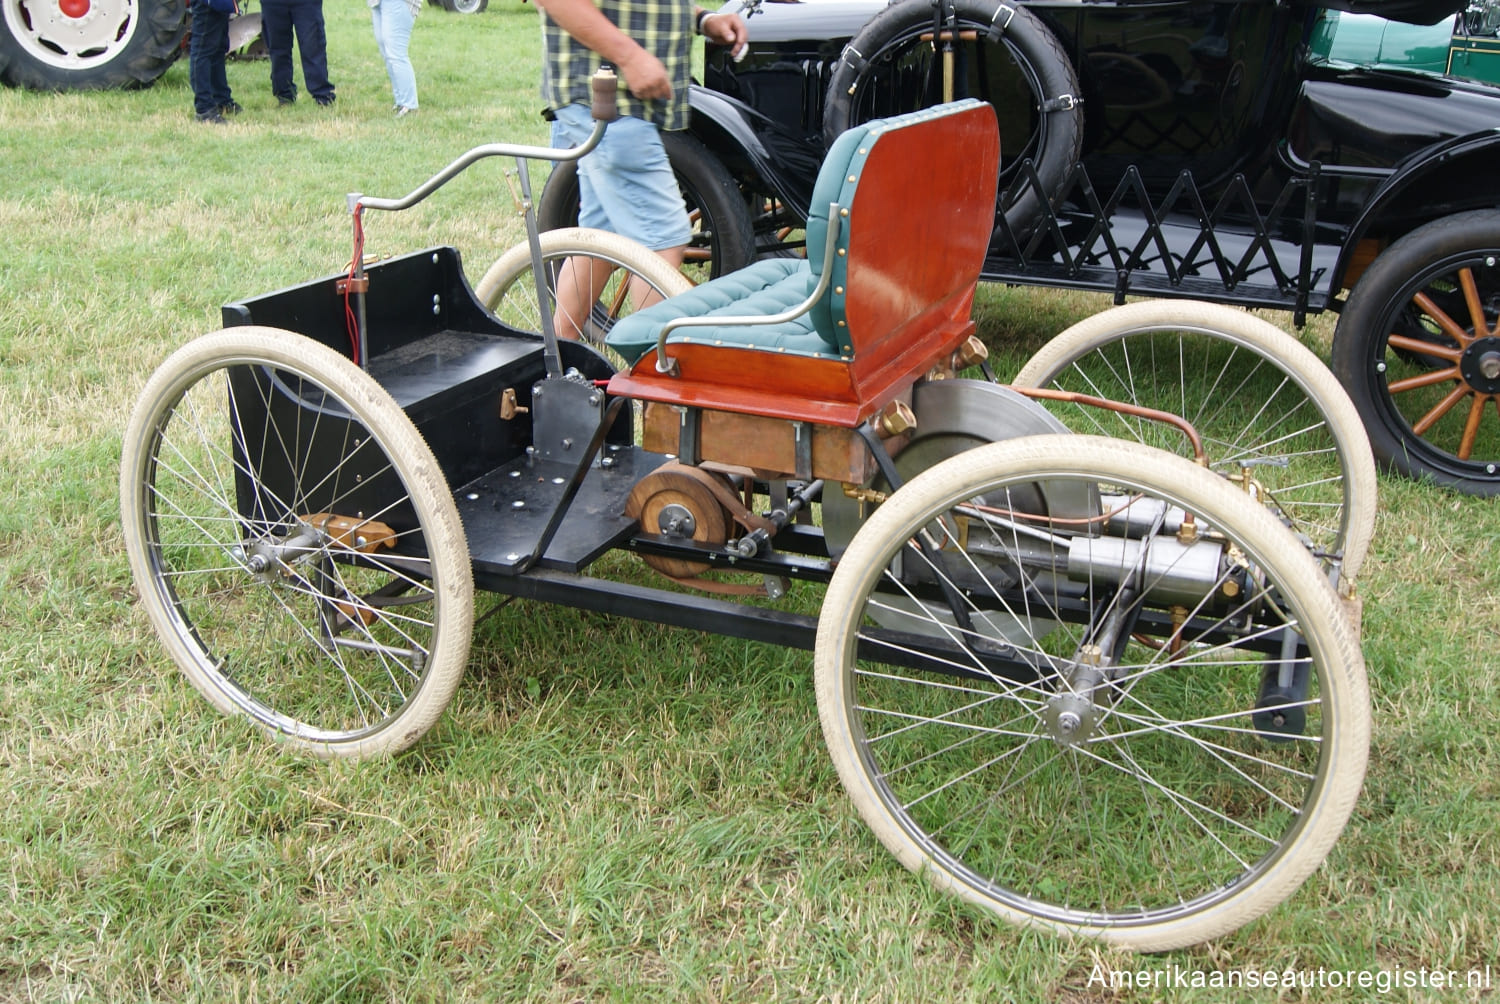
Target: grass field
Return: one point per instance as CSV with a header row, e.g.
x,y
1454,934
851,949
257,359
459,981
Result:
x,y
610,810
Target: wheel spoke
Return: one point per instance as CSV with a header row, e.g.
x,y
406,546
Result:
x,y
1423,347
1426,422
1471,427
1440,317
1428,379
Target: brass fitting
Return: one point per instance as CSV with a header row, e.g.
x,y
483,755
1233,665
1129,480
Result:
x,y
860,494
898,418
971,353
509,409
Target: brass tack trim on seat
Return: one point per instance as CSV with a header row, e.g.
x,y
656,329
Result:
x,y
839,290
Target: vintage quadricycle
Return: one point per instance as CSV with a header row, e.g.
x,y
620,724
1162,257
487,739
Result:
x,y
1086,683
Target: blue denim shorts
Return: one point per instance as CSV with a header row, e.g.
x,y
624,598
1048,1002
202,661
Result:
x,y
626,184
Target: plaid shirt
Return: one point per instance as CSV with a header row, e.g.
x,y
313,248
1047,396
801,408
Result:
x,y
663,28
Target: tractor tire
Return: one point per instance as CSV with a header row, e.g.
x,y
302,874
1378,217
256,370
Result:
x,y
67,45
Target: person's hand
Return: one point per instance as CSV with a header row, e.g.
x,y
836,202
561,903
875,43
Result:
x,y
727,30
646,77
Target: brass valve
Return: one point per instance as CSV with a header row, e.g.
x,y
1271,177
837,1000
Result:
x,y
860,494
509,409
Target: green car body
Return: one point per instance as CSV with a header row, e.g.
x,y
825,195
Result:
x,y
1466,45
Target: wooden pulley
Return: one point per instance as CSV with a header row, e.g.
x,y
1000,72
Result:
x,y
675,501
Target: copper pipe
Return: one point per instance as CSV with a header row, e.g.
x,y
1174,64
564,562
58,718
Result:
x,y
1150,414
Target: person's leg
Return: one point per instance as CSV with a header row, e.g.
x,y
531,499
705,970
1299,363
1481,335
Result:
x,y
397,25
276,29
199,69
626,185
641,292
580,281
377,22
312,47
218,48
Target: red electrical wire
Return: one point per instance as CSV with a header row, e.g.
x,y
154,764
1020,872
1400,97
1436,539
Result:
x,y
351,323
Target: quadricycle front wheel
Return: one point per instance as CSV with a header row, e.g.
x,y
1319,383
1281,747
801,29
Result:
x,y
295,543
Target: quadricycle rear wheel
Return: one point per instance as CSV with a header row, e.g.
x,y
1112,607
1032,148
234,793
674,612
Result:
x,y
1092,687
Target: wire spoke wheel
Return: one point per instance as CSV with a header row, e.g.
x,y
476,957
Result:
x,y
1099,724
1271,415
294,543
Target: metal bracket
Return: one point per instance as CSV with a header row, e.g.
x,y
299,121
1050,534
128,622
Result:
x,y
565,411
689,420
802,443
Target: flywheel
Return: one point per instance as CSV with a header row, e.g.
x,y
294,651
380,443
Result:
x,y
954,416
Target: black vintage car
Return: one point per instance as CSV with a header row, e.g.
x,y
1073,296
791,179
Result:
x,y
1180,149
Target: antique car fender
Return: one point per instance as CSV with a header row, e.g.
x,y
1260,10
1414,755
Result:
x,y
1448,177
754,148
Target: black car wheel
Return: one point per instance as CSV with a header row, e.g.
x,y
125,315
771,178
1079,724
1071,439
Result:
x,y
723,239
1418,348
1001,54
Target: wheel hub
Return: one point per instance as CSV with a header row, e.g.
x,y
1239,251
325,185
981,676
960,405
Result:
x,y
73,33
1480,365
268,559
676,520
1069,719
